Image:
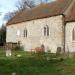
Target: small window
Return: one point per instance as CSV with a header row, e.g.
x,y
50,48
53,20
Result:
x,y
73,34
18,32
25,32
46,31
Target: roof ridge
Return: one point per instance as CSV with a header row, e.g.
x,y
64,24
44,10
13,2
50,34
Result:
x,y
70,13
67,6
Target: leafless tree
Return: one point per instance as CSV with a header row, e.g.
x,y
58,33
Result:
x,y
43,1
24,4
8,16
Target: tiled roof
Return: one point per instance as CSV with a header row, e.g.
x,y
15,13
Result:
x,y
42,11
70,15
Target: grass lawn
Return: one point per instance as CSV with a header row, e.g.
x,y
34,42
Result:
x,y
30,64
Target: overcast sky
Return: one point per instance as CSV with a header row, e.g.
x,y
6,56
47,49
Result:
x,y
9,6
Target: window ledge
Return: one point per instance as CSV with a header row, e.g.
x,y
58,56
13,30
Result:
x,y
46,36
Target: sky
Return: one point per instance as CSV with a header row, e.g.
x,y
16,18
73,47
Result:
x,y
9,6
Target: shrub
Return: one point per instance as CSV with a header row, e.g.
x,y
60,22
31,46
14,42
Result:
x,y
20,48
39,50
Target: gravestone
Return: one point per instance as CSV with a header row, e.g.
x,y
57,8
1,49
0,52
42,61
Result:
x,y
58,52
8,52
8,48
14,73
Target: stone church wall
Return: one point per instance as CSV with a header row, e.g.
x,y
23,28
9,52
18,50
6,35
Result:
x,y
69,42
35,33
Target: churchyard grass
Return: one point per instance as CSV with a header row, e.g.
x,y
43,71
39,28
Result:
x,y
33,64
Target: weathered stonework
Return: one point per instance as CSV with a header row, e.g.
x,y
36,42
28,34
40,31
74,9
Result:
x,y
35,33
69,42
60,27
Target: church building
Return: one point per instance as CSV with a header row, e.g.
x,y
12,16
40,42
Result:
x,y
51,25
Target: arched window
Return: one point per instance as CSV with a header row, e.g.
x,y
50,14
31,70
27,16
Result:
x,y
73,34
46,31
25,32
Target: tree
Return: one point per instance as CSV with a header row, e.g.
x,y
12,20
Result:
x,y
44,1
2,35
24,4
8,16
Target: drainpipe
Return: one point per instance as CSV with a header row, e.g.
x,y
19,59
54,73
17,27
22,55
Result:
x,y
64,30
64,36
